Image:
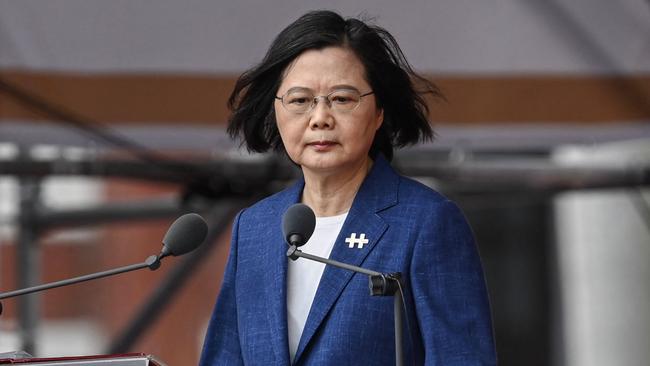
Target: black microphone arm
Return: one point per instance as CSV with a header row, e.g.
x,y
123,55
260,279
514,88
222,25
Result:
x,y
184,235
153,262
380,284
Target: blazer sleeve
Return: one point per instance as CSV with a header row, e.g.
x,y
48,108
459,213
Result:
x,y
221,345
449,291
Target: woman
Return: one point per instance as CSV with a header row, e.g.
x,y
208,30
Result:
x,y
338,95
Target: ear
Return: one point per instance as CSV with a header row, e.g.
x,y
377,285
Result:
x,y
379,119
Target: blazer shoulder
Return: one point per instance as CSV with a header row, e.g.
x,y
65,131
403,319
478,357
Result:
x,y
412,191
258,210
272,205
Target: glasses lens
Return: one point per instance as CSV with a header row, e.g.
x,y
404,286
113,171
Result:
x,y
298,101
344,99
302,101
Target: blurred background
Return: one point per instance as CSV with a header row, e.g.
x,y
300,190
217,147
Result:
x,y
112,118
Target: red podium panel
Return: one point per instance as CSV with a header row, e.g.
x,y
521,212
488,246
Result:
x,y
131,359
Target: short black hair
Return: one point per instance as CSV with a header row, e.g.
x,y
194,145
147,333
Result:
x,y
399,91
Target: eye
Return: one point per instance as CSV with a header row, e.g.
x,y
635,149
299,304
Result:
x,y
298,99
344,97
340,99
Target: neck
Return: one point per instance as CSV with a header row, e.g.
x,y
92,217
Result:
x,y
333,194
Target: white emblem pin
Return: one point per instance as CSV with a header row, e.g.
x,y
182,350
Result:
x,y
353,240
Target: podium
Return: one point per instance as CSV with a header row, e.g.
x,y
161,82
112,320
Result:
x,y
130,359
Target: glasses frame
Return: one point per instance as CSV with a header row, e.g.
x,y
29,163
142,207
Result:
x,y
328,102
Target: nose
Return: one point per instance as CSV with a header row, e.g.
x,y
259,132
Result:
x,y
321,115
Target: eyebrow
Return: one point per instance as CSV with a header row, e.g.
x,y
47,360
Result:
x,y
335,87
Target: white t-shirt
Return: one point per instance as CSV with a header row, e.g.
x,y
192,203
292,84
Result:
x,y
303,276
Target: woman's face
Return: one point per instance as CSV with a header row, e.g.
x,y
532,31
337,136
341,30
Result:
x,y
324,139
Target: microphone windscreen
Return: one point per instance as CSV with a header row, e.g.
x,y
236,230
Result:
x,y
185,234
298,220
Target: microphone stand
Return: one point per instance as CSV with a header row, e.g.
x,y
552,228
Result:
x,y
380,284
152,262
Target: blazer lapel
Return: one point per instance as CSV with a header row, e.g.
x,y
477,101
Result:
x,y
275,296
376,193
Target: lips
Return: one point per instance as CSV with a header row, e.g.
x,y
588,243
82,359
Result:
x,y
321,144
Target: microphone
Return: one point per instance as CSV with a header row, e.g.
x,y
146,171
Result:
x,y
298,223
184,235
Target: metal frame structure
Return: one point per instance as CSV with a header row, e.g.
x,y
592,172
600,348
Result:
x,y
219,186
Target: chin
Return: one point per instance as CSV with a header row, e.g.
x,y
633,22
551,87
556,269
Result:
x,y
322,167
324,164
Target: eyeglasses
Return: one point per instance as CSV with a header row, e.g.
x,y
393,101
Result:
x,y
300,101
